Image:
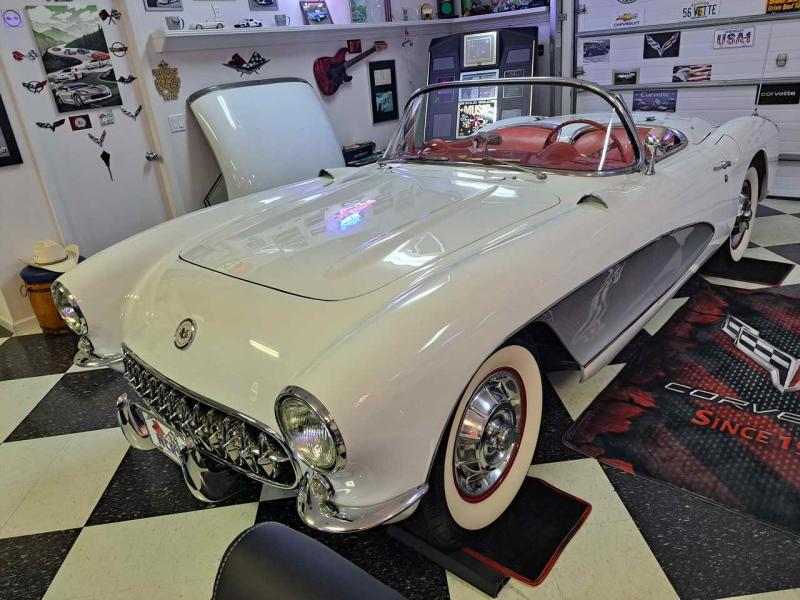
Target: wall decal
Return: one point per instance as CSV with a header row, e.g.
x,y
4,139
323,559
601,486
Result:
x,y
632,18
163,5
119,49
12,18
30,55
700,9
79,122
34,86
106,118
126,80
655,100
691,73
51,126
9,152
662,45
112,16
133,114
167,82
779,93
776,6
596,50
98,140
106,158
75,55
237,63
737,37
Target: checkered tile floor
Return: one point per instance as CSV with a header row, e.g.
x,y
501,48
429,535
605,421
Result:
x,y
84,516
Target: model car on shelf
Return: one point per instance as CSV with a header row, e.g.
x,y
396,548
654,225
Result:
x,y
208,25
376,337
81,94
248,23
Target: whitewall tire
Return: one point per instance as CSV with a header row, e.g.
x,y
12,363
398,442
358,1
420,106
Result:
x,y
747,204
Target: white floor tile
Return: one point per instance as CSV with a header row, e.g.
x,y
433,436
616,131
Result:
x,y
734,283
29,328
151,558
776,230
785,206
76,369
18,397
575,395
54,483
766,254
663,315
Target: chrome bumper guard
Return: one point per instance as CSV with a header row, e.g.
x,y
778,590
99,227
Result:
x,y
317,510
213,433
86,358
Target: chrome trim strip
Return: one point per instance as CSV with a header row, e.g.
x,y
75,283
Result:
x,y
224,86
276,437
90,361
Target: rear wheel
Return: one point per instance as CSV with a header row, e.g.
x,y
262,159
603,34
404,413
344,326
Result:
x,y
747,203
485,457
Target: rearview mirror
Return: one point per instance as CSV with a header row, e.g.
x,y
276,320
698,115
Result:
x,y
657,139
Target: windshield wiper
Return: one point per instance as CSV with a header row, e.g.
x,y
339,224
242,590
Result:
x,y
413,158
510,163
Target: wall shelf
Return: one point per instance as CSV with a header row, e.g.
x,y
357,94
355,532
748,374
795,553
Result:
x,y
189,40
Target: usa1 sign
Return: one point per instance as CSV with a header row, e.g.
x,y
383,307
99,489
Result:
x,y
737,37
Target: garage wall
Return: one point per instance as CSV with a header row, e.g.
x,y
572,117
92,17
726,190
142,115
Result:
x,y
739,69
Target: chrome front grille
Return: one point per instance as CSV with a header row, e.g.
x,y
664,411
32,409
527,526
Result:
x,y
230,439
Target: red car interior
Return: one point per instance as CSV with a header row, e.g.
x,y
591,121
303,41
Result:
x,y
534,145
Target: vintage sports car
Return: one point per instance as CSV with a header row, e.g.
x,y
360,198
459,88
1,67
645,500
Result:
x,y
377,336
80,94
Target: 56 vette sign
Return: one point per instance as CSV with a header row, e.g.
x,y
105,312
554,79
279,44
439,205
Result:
x,y
700,9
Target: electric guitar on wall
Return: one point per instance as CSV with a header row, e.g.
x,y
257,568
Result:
x,y
331,71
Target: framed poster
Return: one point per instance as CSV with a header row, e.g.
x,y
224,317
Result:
x,y
480,49
9,151
474,114
383,91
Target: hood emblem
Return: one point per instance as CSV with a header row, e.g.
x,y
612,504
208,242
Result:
x,y
184,334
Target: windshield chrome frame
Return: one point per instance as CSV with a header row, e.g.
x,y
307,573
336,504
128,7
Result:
x,y
615,100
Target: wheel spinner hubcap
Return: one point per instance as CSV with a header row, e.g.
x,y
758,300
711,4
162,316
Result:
x,y
489,435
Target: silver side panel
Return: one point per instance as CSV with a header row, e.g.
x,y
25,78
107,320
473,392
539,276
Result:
x,y
593,316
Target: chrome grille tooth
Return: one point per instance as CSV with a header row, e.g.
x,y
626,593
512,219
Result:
x,y
249,450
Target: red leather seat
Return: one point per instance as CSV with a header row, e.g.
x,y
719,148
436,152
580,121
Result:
x,y
523,138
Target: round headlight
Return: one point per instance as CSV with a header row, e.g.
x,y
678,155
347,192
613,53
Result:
x,y
310,432
68,308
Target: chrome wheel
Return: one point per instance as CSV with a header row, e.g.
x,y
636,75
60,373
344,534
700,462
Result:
x,y
489,434
744,215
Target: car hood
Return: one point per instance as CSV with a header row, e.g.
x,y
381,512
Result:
x,y
360,235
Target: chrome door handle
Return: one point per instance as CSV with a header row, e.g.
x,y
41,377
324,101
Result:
x,y
723,165
150,155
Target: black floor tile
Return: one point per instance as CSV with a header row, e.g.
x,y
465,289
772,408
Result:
x,y
35,355
36,559
148,484
555,422
766,211
705,550
381,556
790,251
4,333
78,402
633,348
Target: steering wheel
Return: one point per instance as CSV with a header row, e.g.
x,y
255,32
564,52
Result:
x,y
615,142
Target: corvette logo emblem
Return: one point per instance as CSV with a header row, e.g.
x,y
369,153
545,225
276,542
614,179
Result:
x,y
184,334
659,48
782,367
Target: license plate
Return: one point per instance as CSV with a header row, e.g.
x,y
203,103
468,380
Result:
x,y
166,439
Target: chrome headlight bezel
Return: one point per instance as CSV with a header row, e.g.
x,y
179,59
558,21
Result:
x,y
317,409
68,308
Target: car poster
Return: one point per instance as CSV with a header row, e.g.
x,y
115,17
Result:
x,y
662,45
75,56
691,73
596,50
736,37
474,114
625,77
700,9
630,18
655,100
776,6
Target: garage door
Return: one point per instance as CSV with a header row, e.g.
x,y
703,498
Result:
x,y
702,57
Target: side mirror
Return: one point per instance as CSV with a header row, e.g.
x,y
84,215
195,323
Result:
x,y
657,139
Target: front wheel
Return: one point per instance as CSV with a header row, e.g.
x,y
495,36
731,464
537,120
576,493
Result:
x,y
747,203
488,450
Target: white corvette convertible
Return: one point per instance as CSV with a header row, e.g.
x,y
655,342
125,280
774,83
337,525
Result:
x,y
377,336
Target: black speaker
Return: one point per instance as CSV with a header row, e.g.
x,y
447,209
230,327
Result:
x,y
446,9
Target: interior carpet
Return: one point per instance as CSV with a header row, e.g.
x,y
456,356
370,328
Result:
x,y
711,405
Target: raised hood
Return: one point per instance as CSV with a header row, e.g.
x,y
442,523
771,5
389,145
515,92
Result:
x,y
358,236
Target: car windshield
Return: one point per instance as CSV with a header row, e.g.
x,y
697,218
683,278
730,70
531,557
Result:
x,y
501,123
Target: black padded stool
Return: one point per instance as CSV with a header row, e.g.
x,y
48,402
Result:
x,y
272,561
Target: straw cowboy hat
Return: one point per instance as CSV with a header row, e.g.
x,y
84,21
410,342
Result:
x,y
52,256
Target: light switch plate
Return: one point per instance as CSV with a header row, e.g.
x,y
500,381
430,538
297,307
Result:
x,y
177,123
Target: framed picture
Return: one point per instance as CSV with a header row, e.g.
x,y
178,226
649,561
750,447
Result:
x,y
315,12
172,5
625,77
263,4
383,91
9,151
480,49
358,11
